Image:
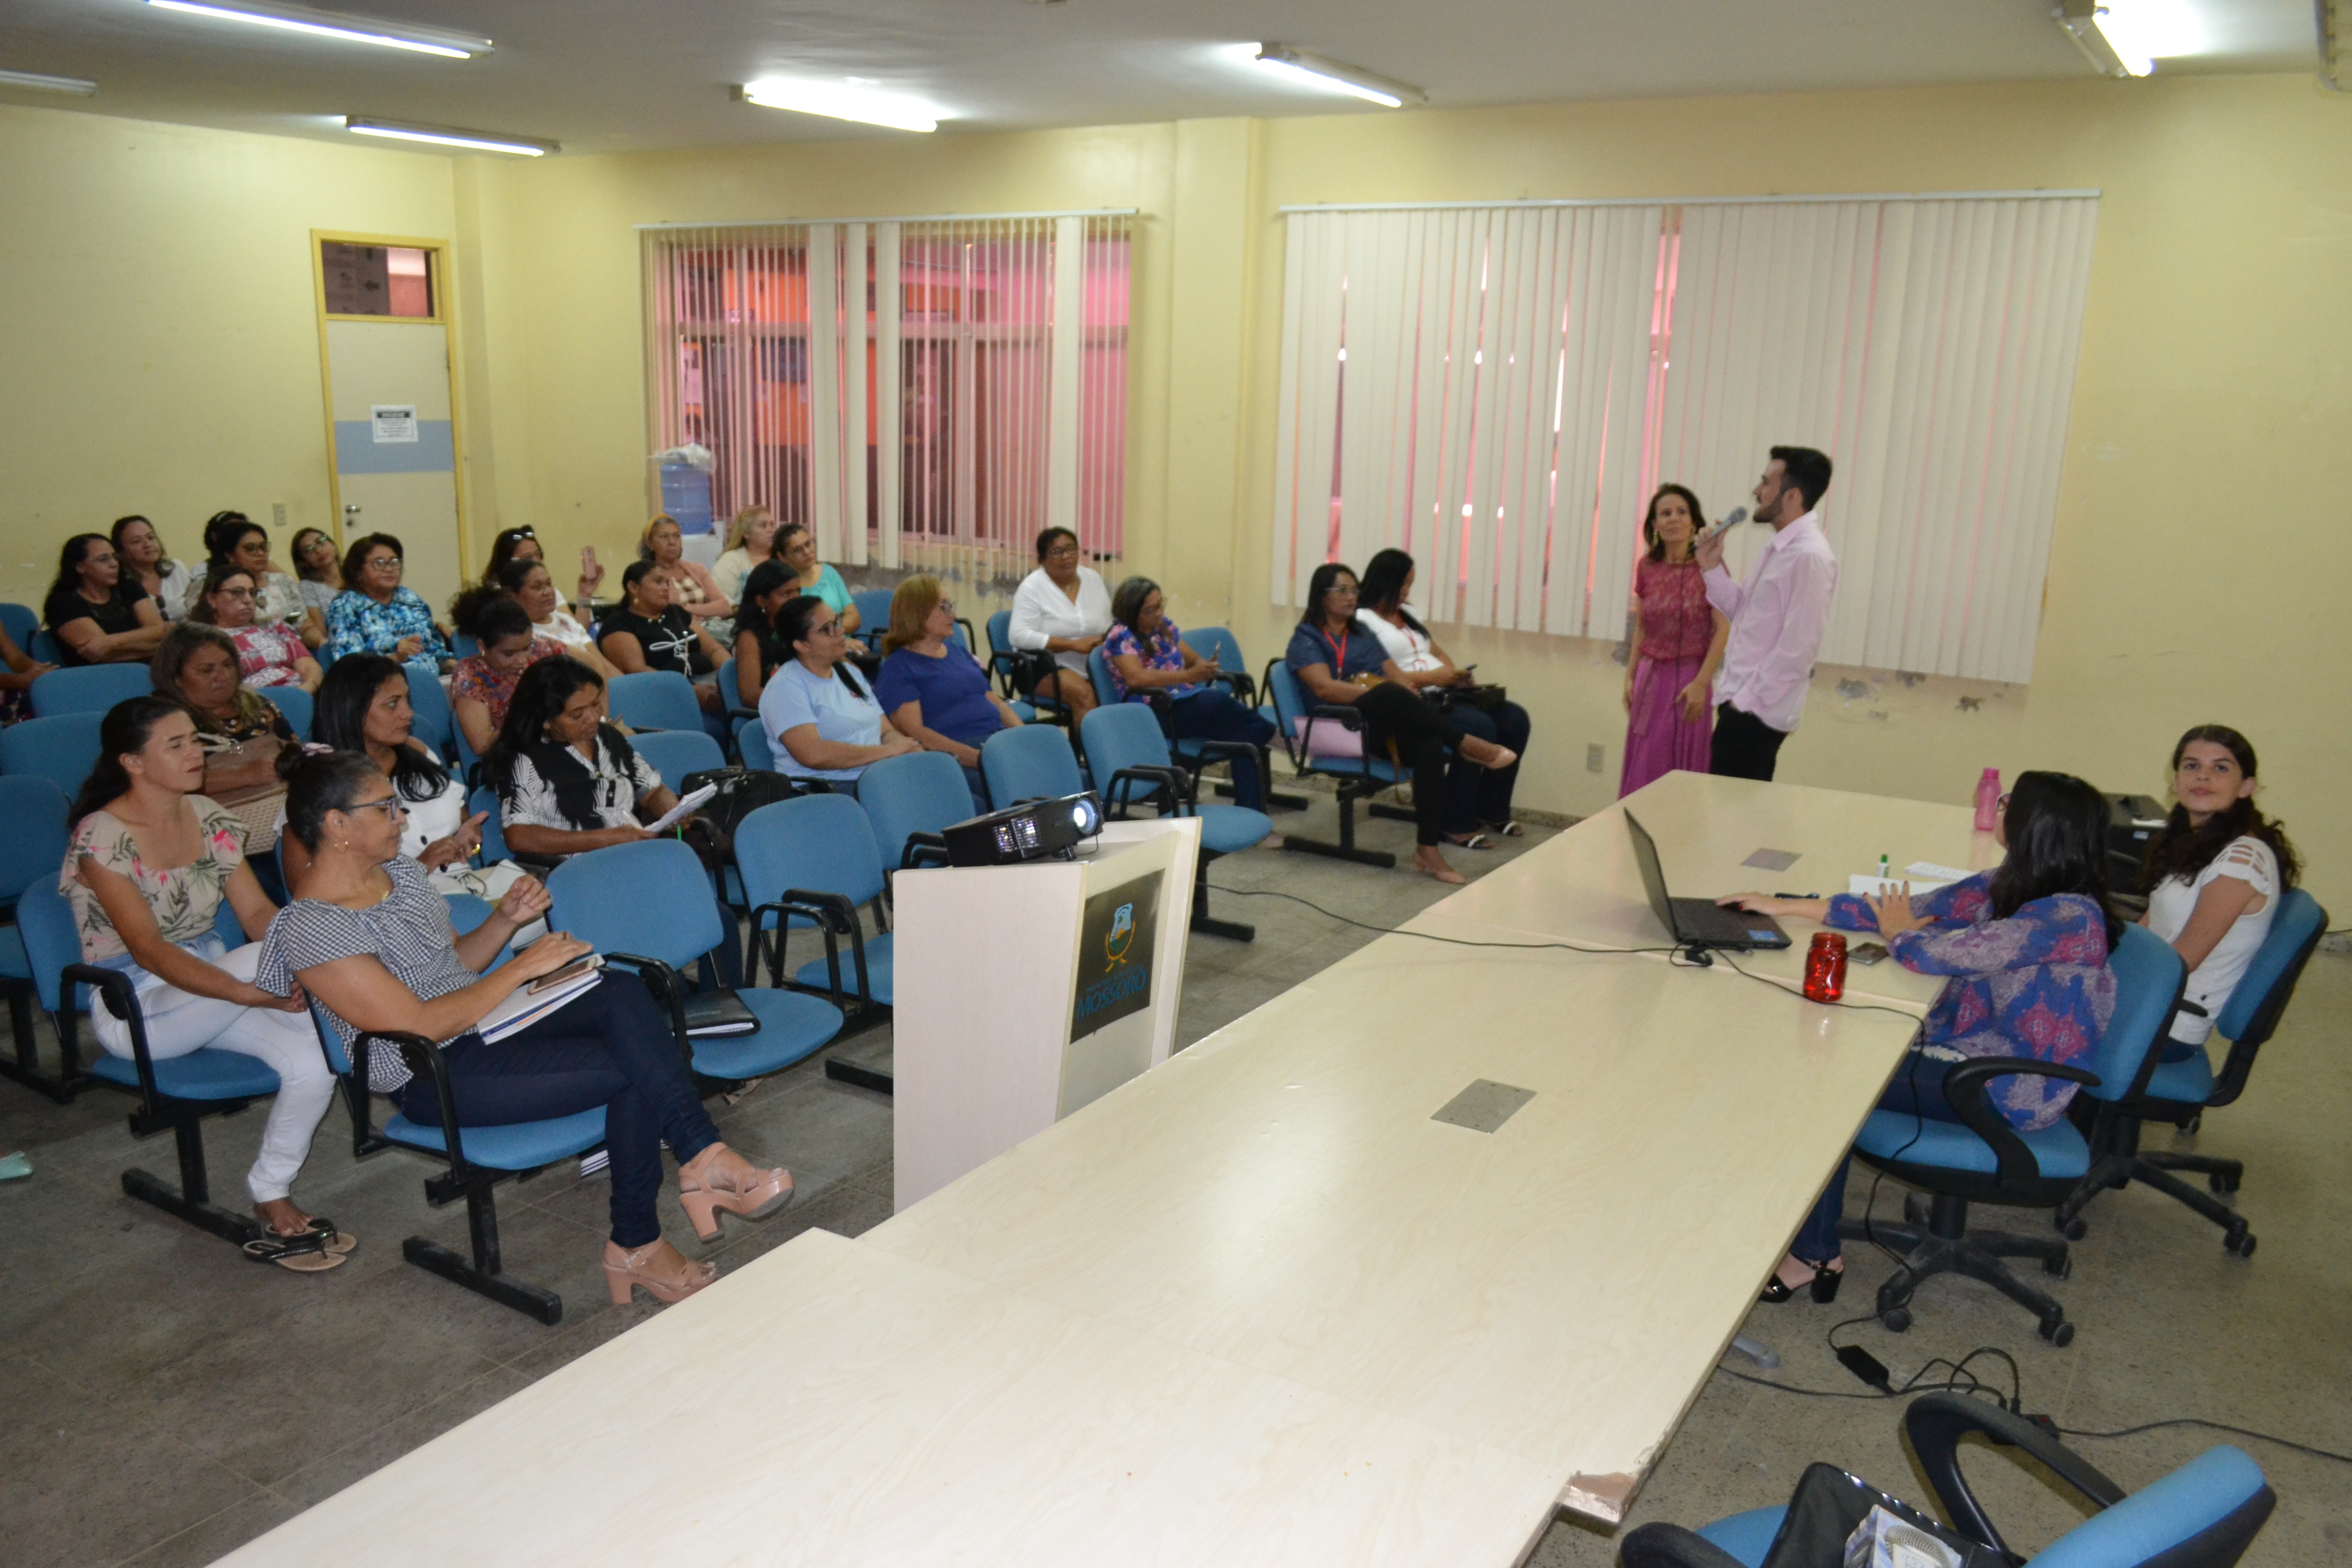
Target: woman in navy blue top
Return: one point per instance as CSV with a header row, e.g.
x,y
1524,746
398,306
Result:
x,y
1339,661
932,687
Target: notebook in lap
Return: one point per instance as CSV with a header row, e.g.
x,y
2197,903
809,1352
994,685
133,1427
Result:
x,y
1699,922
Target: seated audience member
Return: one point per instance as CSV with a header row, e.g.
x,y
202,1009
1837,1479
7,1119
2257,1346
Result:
x,y
650,632
1062,608
240,731
1381,610
140,549
2215,873
1338,661
268,656
278,599
523,544
377,614
363,707
370,939
17,679
932,689
2026,946
485,682
750,541
321,571
97,616
1148,658
150,862
534,590
796,548
567,781
818,718
692,588
766,589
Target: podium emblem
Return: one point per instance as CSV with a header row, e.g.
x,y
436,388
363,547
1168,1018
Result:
x,y
1122,934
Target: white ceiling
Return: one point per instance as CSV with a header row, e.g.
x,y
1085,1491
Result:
x,y
615,75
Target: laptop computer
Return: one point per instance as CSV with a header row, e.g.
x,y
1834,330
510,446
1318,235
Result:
x,y
1699,922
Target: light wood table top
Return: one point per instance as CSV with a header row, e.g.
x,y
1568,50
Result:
x,y
1584,887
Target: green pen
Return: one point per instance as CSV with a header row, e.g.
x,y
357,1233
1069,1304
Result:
x,y
1882,868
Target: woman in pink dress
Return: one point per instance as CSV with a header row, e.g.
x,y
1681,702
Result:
x,y
1675,642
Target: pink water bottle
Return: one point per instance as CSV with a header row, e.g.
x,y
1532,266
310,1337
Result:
x,y
1988,800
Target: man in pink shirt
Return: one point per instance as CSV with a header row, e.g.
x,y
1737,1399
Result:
x,y
1777,617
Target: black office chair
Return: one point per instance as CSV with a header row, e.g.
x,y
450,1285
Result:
x,y
2203,1515
2180,1090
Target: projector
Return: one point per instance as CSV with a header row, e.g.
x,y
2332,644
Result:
x,y
1033,830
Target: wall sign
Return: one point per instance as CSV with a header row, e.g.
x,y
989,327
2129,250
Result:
x,y
394,424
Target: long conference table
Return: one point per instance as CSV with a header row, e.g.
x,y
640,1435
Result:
x,y
1256,1306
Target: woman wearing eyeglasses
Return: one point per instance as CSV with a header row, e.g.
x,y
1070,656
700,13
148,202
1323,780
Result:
x,y
796,548
235,538
318,570
820,720
97,616
363,706
1064,609
376,615
266,655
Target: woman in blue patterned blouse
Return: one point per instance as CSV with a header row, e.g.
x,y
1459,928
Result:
x,y
2026,946
1149,656
374,613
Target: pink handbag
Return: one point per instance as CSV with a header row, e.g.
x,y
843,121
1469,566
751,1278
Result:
x,y
1329,738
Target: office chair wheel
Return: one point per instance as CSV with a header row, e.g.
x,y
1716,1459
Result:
x,y
2240,1241
1895,1319
2193,1124
2074,1230
2221,1183
2058,1333
2058,1267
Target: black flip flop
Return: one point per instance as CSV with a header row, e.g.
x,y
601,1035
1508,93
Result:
x,y
304,1254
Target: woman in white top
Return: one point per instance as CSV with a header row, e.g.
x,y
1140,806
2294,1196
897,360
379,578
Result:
x,y
750,538
820,720
140,550
2215,873
319,567
1064,609
534,590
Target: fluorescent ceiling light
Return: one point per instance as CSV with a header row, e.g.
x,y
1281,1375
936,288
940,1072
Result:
x,y
841,101
40,83
1319,71
2126,37
449,136
332,25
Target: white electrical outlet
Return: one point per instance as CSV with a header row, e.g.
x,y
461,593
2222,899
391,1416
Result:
x,y
1594,754
277,515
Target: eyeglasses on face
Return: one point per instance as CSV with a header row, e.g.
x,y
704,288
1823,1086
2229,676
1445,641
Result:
x,y
383,563
1063,552
389,803
831,628
232,592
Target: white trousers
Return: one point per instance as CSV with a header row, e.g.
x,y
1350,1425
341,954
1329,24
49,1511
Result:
x,y
179,1022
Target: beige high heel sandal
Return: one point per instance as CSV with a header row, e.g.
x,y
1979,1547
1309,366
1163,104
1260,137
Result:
x,y
625,1270
705,1187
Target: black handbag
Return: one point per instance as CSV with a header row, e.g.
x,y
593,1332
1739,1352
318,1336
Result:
x,y
1484,698
1829,1505
739,791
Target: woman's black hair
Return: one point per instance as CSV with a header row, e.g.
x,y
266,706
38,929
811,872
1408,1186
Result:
x,y
2183,852
69,559
1657,550
1319,584
125,729
2057,830
320,782
502,550
466,609
300,570
637,572
1045,540
217,575
341,721
762,580
1381,587
500,618
358,554
794,617
225,531
1127,603
540,698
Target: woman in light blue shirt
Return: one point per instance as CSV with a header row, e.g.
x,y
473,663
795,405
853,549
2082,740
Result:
x,y
820,720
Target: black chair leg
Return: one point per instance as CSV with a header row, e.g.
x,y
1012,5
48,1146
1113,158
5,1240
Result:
x,y
25,1069
1203,922
2225,1174
1346,848
2235,1237
1945,1247
192,1199
482,1275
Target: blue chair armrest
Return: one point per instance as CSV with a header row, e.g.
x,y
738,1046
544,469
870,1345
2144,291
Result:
x,y
1936,1423
1968,1089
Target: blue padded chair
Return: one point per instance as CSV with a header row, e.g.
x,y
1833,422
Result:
x,y
89,688
1001,659
909,800
1980,1158
654,699
812,861
873,614
464,645
649,905
433,722
298,706
2203,1515
1099,672
494,839
45,648
1359,778
175,1092
20,622
2180,1090
1032,763
751,745
62,749
1131,757
31,851
461,752
476,1159
1233,673
674,754
730,694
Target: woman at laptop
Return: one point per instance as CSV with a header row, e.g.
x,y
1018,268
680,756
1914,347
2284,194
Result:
x,y
2025,947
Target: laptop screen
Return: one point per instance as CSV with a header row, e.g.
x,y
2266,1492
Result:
x,y
1645,853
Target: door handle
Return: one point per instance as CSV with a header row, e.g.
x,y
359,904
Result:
x,y
351,508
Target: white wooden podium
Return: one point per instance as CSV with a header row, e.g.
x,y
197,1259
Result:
x,y
1024,993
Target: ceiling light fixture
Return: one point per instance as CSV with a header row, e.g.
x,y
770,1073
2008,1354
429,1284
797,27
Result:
x,y
1329,73
837,101
39,83
2126,37
333,24
450,136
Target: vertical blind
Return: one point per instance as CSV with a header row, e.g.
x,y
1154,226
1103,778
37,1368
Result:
x,y
1498,390
920,392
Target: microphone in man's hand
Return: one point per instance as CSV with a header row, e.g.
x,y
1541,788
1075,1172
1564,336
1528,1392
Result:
x,y
1728,522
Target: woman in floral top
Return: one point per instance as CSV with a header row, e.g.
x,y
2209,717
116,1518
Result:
x,y
266,655
1675,641
2026,947
149,863
1149,656
485,683
376,615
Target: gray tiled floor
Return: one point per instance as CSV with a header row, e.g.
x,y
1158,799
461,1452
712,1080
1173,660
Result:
x,y
163,1401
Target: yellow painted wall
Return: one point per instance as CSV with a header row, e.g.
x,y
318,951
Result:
x,y
160,349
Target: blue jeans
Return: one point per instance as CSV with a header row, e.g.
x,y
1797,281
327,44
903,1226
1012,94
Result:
x,y
1917,1090
1213,715
610,1046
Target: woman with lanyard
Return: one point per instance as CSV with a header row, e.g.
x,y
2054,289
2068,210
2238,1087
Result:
x,y
1340,662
